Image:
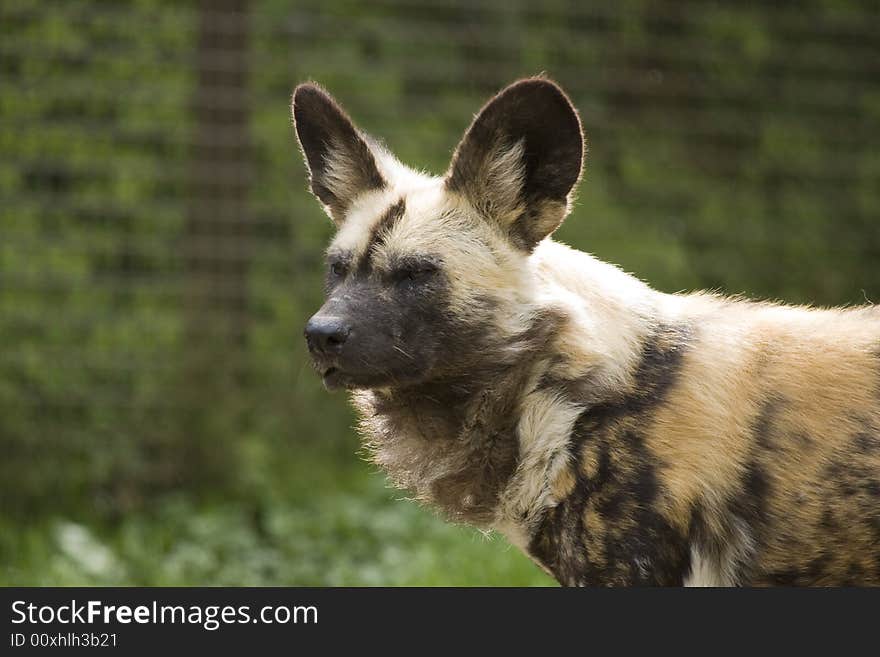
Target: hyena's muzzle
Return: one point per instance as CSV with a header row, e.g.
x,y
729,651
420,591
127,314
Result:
x,y
374,331
326,335
349,343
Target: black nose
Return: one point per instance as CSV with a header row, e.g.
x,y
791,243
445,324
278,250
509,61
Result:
x,y
326,334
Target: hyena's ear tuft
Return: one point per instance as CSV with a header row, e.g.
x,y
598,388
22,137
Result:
x,y
341,163
520,159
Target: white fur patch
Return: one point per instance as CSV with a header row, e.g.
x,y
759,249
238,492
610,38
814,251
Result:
x,y
502,182
723,570
544,432
340,173
704,573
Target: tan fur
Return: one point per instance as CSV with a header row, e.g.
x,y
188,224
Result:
x,y
823,363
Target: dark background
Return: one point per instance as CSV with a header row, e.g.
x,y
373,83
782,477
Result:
x,y
159,252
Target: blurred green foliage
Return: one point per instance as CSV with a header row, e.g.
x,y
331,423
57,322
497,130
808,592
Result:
x,y
341,532
731,145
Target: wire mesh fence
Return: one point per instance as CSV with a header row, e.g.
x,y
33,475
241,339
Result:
x,y
159,252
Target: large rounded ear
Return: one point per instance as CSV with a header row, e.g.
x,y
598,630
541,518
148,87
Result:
x,y
341,163
520,159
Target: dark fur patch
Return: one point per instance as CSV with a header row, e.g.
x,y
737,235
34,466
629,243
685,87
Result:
x,y
609,531
628,542
380,232
321,125
866,443
749,503
746,515
657,372
835,547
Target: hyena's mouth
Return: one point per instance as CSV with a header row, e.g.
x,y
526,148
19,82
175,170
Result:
x,y
333,378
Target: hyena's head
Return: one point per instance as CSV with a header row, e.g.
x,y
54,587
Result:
x,y
428,278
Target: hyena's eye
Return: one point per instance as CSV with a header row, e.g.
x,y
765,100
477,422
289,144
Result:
x,y
415,273
338,269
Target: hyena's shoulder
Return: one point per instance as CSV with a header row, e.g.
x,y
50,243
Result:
x,y
741,443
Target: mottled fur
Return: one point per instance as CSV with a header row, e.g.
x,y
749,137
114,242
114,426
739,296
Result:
x,y
616,434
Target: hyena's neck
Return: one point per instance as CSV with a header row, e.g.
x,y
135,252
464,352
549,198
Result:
x,y
483,447
454,441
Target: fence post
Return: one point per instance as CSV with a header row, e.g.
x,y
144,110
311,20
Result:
x,y
216,245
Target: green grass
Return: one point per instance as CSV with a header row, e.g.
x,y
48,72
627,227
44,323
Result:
x,y
333,529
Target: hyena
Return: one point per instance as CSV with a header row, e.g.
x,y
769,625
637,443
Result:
x,y
616,434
